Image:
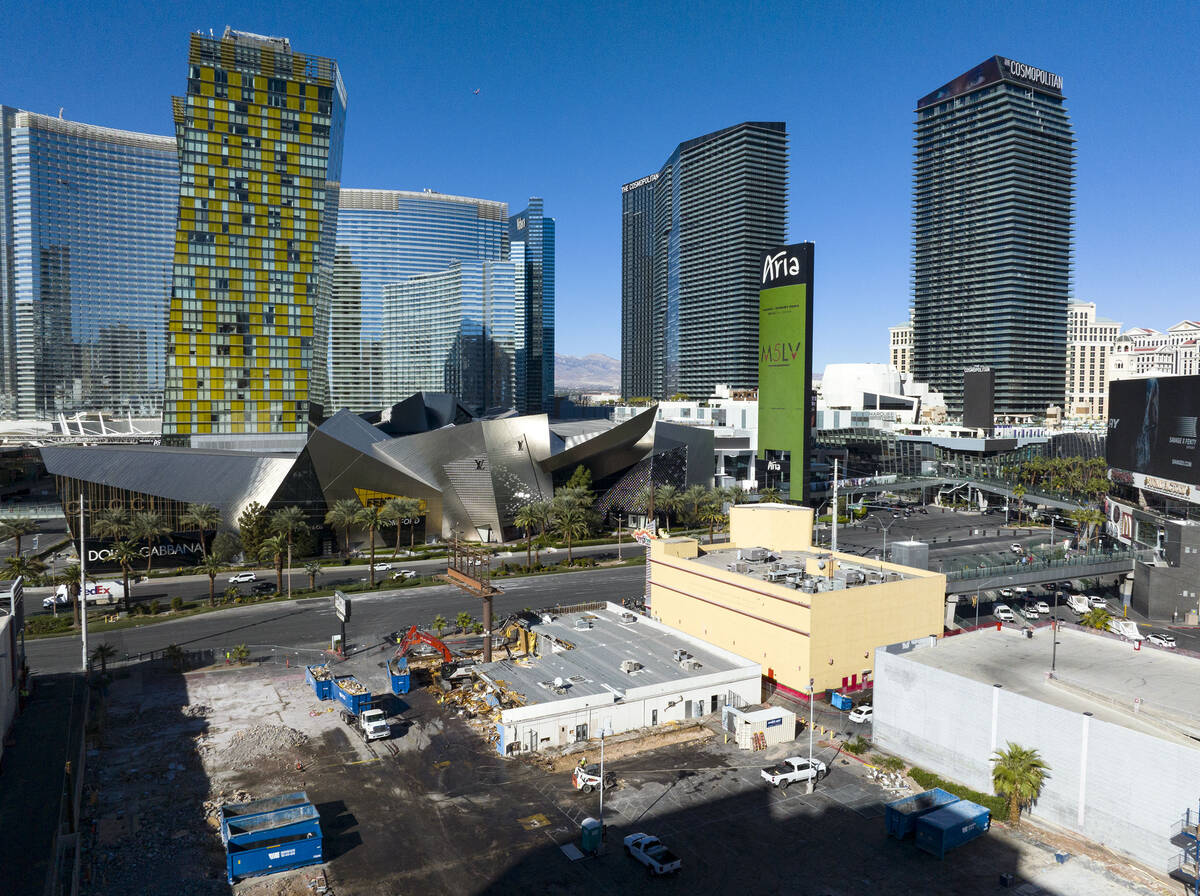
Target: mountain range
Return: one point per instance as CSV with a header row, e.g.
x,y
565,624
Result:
x,y
588,372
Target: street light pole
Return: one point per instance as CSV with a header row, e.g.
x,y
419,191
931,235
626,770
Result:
x,y
1054,633
810,732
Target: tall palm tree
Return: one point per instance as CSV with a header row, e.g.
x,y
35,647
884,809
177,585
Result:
x,y
644,501
286,521
669,501
274,548
372,519
712,516
544,511
1018,774
393,510
693,499
69,576
342,515
17,529
1019,493
201,518
571,522
103,653
313,568
124,552
526,519
148,527
210,567
112,524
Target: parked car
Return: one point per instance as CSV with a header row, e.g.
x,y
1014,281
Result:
x,y
404,574
1096,602
1017,548
382,567
863,713
793,769
1042,607
1004,613
1021,591
263,588
1007,592
1162,639
238,577
650,852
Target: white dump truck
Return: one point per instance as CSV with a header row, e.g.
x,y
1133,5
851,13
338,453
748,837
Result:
x,y
372,724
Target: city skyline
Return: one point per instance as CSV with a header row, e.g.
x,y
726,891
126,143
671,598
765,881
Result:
x,y
1135,235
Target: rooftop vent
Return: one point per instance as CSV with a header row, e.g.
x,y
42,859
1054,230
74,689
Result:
x,y
753,554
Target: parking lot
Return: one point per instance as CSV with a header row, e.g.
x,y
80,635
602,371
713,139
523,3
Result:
x,y
435,810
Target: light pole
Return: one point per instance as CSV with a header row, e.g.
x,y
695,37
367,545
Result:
x,y
884,529
810,735
1054,633
977,606
603,732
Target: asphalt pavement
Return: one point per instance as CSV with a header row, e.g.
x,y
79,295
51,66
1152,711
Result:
x,y
308,623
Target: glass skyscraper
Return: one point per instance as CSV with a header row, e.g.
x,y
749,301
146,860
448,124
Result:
x,y
993,202
532,237
385,237
456,331
692,237
260,155
87,220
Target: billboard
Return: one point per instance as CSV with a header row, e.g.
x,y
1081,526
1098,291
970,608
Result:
x,y
979,398
1152,430
785,412
169,550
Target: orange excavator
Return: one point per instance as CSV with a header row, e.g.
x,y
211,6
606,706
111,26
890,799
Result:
x,y
414,637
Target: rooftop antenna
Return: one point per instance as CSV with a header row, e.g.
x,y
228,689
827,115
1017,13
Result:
x,y
60,112
210,33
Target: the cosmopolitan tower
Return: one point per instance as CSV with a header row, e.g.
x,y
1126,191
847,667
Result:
x,y
993,196
260,156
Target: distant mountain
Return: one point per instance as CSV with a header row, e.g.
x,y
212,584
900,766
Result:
x,y
589,372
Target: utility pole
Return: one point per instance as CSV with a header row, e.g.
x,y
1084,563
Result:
x,y
83,586
833,538
812,780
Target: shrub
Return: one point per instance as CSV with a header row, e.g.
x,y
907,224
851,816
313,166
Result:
x,y
994,804
154,607
891,763
48,625
858,746
177,603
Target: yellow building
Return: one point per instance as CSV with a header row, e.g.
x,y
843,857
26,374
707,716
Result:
x,y
802,612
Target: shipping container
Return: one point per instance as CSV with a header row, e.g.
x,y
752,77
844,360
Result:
x,y
351,693
951,827
774,725
398,675
319,680
901,815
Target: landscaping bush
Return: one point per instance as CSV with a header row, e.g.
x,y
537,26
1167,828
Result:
x,y
996,805
858,746
154,607
177,603
49,625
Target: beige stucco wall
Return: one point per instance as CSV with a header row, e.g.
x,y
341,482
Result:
x,y
792,634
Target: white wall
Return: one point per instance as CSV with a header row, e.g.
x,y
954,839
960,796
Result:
x,y
1118,787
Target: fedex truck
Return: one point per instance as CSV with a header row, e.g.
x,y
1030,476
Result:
x,y
97,593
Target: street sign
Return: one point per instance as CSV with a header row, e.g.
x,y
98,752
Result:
x,y
341,606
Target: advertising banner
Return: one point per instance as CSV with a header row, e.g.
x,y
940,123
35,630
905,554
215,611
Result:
x,y
785,357
171,549
1152,431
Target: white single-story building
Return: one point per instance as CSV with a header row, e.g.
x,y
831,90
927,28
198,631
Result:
x,y
608,670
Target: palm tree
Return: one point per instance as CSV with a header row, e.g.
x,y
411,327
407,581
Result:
x,y
1097,618
69,576
103,653
313,568
274,548
28,568
201,518
371,518
464,621
668,500
394,512
694,498
543,511
644,501
770,495
571,522
210,567
125,552
1019,493
112,524
342,515
148,527
17,529
526,519
1018,776
712,516
439,624
285,522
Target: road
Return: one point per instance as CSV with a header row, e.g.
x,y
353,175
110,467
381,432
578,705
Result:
x,y
308,623
191,588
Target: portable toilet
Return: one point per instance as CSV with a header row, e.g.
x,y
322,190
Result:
x,y
591,833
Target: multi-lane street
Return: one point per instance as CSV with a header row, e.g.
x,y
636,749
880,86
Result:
x,y
309,623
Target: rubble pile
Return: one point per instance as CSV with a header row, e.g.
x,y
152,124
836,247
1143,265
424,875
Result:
x,y
251,745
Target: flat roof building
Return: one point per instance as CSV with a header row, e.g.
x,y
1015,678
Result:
x,y
805,614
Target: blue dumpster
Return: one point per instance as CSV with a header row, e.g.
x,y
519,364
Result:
x,y
841,701
398,675
901,816
319,680
269,835
952,826
351,693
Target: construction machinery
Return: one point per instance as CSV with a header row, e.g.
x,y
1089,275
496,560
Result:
x,y
415,636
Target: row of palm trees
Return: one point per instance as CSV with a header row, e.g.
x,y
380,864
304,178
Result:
x,y
696,505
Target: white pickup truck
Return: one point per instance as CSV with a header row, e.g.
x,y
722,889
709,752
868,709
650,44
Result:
x,y
793,769
650,852
372,724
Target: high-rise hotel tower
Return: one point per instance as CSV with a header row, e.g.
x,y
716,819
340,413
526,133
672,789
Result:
x,y
260,155
993,200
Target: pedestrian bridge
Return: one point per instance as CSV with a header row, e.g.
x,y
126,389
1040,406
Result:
x,y
1038,572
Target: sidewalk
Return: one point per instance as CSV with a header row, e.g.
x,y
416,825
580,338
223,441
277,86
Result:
x,y
31,781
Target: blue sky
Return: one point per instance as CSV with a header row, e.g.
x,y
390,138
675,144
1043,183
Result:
x,y
577,98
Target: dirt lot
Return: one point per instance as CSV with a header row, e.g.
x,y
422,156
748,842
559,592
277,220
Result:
x,y
434,810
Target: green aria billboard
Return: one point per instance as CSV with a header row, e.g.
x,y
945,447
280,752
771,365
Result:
x,y
785,413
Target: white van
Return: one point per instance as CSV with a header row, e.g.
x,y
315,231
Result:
x,y
1003,613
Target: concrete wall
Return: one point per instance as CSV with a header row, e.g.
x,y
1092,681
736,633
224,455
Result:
x,y
9,667
1118,787
778,527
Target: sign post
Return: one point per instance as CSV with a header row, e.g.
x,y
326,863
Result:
x,y
341,608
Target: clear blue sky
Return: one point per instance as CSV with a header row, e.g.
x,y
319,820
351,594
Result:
x,y
577,98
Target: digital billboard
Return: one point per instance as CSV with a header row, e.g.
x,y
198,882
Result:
x,y
979,398
785,357
1152,427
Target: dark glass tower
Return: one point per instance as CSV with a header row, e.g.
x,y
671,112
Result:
x,y
692,239
531,236
993,199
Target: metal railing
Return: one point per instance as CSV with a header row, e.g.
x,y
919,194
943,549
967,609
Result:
x,y
1074,561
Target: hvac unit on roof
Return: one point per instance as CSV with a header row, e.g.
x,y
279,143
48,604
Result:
x,y
630,666
753,554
